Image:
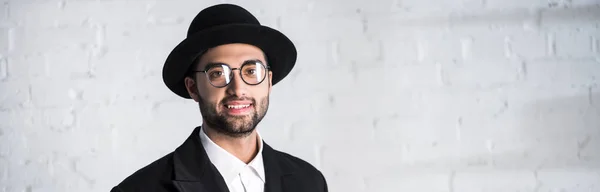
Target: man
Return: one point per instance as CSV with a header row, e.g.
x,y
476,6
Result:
x,y
228,64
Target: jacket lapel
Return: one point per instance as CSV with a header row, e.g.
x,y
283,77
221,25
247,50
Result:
x,y
277,173
193,171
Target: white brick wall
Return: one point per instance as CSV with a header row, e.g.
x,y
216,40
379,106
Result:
x,y
388,95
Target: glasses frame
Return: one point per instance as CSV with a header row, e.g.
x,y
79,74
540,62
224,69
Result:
x,y
267,68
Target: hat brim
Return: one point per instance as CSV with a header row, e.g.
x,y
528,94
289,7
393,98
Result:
x,y
280,51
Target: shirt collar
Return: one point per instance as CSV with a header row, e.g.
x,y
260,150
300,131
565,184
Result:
x,y
229,165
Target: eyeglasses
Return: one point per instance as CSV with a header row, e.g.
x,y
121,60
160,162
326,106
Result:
x,y
219,75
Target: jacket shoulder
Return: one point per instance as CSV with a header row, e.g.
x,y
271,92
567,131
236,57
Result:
x,y
295,163
298,165
303,168
154,176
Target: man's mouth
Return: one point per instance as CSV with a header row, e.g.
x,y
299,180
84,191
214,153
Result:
x,y
238,106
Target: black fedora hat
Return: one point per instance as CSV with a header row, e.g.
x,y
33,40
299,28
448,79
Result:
x,y
225,24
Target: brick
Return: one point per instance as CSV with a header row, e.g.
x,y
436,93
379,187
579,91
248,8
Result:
x,y
294,26
32,41
494,180
576,179
527,44
484,75
401,78
151,63
4,6
38,121
99,89
551,109
47,93
487,44
361,7
515,4
588,147
13,95
163,110
346,103
417,77
112,126
544,133
78,13
525,94
576,42
562,73
320,79
310,106
135,50
594,97
432,6
76,60
554,115
26,66
152,37
115,63
436,46
400,48
304,130
360,51
435,154
530,151
386,156
269,13
328,51
121,92
161,12
469,113
583,3
410,180
5,40
3,67
579,15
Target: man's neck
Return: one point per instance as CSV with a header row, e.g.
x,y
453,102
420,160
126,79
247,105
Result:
x,y
244,148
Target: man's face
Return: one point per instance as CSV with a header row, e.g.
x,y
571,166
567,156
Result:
x,y
237,108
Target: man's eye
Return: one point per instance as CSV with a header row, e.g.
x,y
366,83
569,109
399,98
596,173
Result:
x,y
216,74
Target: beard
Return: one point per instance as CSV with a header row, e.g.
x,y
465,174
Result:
x,y
230,125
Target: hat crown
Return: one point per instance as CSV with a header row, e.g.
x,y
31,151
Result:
x,y
222,14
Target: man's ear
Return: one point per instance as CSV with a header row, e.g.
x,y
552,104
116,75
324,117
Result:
x,y
270,81
191,87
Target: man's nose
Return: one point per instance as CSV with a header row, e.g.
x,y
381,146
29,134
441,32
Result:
x,y
237,86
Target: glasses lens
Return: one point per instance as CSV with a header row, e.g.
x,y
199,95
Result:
x,y
253,73
219,75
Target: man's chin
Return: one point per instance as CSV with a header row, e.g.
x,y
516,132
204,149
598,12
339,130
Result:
x,y
238,131
237,119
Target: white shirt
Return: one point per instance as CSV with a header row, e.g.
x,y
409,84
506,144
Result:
x,y
239,176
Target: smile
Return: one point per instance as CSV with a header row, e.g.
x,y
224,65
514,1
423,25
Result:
x,y
238,106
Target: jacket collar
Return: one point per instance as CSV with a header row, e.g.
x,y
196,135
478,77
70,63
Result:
x,y
193,170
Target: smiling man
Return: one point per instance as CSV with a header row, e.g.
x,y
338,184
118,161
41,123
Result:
x,y
228,64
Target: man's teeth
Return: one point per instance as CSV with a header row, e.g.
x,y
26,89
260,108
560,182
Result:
x,y
237,106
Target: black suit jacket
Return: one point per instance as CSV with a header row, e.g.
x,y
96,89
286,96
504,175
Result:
x,y
188,169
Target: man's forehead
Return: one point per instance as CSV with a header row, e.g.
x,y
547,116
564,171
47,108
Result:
x,y
231,54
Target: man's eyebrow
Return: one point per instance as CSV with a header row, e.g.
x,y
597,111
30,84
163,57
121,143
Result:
x,y
254,60
213,63
221,63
